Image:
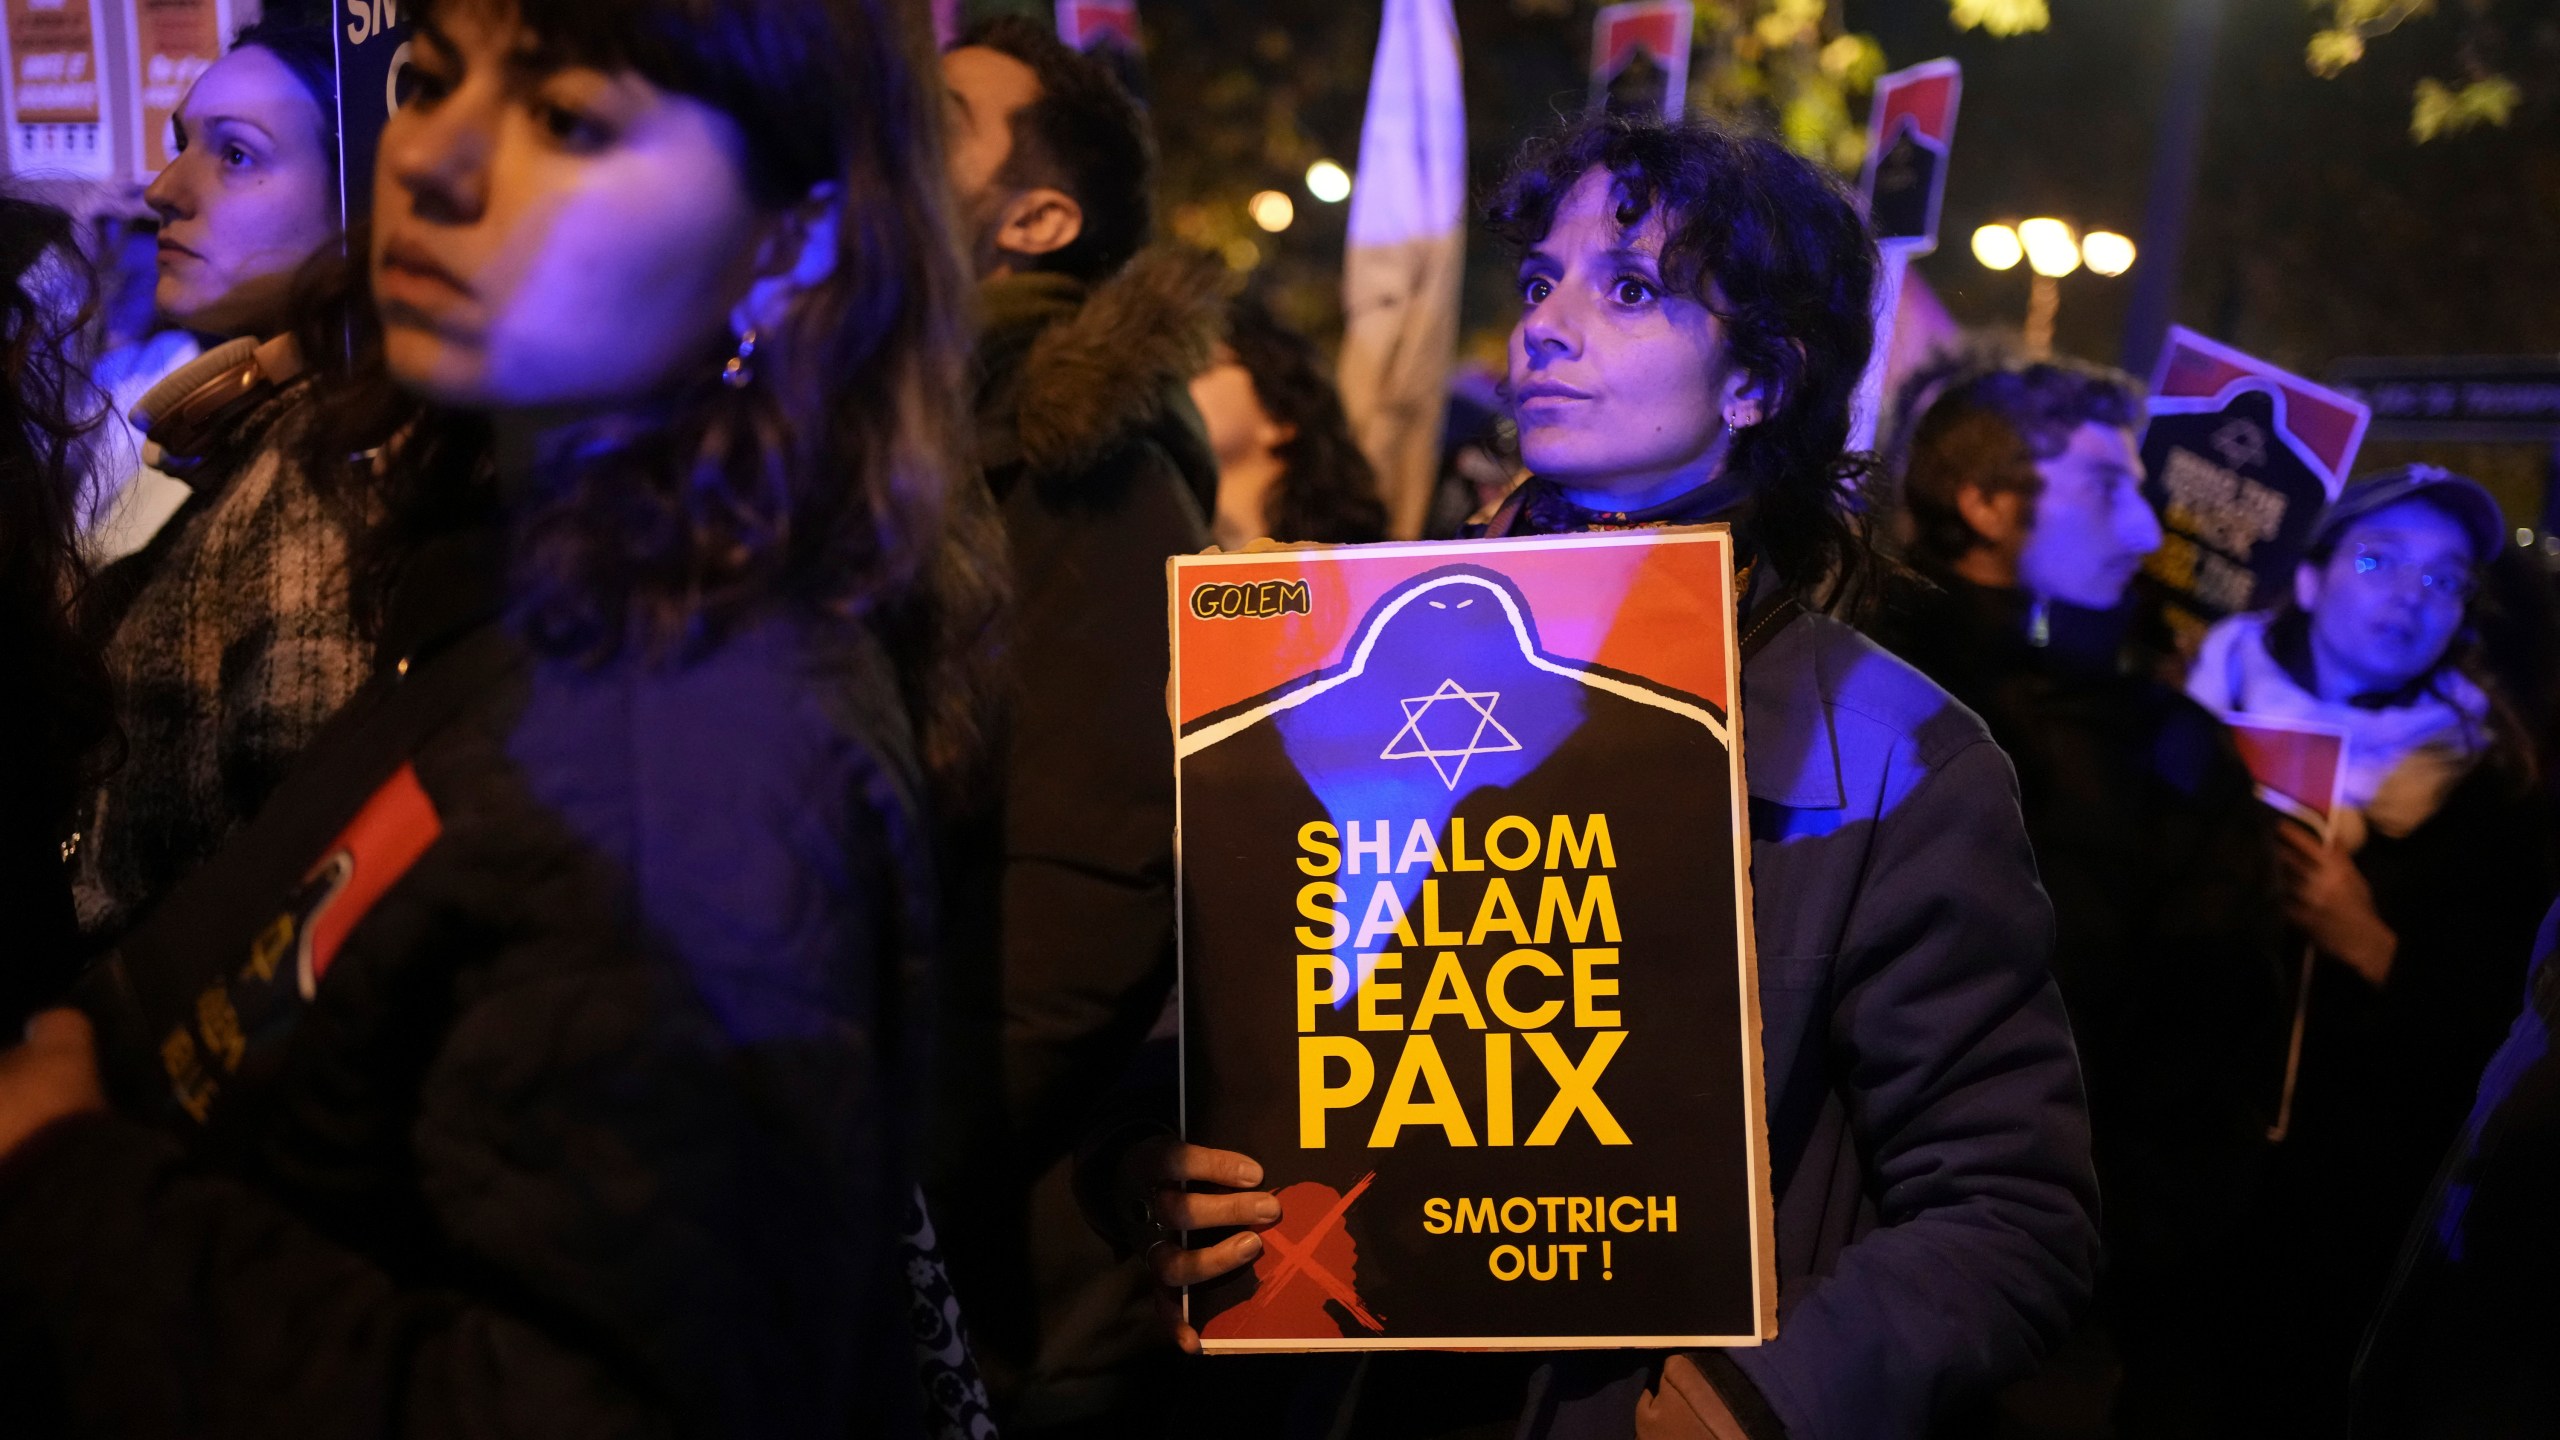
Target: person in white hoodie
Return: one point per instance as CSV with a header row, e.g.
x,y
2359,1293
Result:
x,y
2441,865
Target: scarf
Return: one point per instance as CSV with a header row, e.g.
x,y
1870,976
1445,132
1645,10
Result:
x,y
2401,760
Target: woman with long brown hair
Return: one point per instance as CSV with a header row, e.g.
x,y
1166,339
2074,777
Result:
x,y
543,1059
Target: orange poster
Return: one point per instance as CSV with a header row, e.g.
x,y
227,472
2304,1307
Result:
x,y
1466,942
173,42
54,95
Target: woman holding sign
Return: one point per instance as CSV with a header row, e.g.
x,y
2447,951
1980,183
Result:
x,y
541,1060
1695,317
2438,865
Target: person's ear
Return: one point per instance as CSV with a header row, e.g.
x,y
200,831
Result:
x,y
1998,517
1039,221
1750,397
798,252
2306,587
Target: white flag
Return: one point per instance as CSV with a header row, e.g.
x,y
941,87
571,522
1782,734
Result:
x,y
1400,279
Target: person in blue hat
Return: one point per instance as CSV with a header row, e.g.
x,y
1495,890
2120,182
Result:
x,y
2440,863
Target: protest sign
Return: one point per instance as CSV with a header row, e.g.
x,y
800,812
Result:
x,y
53,66
1640,58
2241,456
1466,942
373,48
173,43
2299,767
1911,126
1086,24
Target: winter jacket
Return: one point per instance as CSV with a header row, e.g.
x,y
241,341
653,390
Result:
x,y
2171,947
2462,1349
1929,1140
231,641
1062,903
536,1064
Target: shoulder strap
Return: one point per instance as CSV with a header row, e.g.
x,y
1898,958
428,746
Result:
x,y
202,935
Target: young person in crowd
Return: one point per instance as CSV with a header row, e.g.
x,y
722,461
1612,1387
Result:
x,y
230,634
2417,910
2022,484
1062,896
56,710
1288,467
2462,1347
1695,317
545,1058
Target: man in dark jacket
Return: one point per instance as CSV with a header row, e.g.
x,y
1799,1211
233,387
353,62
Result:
x,y
2023,487
1065,896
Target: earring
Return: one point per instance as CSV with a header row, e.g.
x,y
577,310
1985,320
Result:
x,y
740,371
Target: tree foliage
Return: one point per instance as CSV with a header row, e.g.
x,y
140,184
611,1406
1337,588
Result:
x,y
2488,39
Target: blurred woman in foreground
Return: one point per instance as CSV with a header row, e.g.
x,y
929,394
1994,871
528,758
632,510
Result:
x,y
541,1061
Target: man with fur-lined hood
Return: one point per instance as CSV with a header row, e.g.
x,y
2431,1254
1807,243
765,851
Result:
x,y
1063,895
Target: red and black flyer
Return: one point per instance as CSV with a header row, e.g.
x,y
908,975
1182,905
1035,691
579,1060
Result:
x,y
2241,456
1466,942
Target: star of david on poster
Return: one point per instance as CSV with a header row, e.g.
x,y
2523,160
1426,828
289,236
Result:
x,y
1473,705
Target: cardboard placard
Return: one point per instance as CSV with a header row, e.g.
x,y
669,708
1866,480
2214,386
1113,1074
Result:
x,y
1466,942
174,41
53,96
373,48
2240,458
1640,58
2301,770
2299,767
1911,126
1086,24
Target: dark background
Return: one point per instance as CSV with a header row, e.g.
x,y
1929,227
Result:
x,y
2320,227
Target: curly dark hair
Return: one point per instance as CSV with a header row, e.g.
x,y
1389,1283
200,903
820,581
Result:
x,y
59,717
832,482
1987,427
1085,135
1328,492
1775,247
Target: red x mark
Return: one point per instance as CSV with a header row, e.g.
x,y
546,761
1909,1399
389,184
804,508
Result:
x,y
1297,1257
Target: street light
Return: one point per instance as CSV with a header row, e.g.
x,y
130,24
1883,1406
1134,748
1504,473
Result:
x,y
1328,182
2106,252
2051,251
1997,247
1272,210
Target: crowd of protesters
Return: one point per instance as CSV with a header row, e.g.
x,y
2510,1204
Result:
x,y
609,866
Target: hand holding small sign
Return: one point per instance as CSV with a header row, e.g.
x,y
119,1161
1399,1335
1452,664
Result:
x,y
2327,896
